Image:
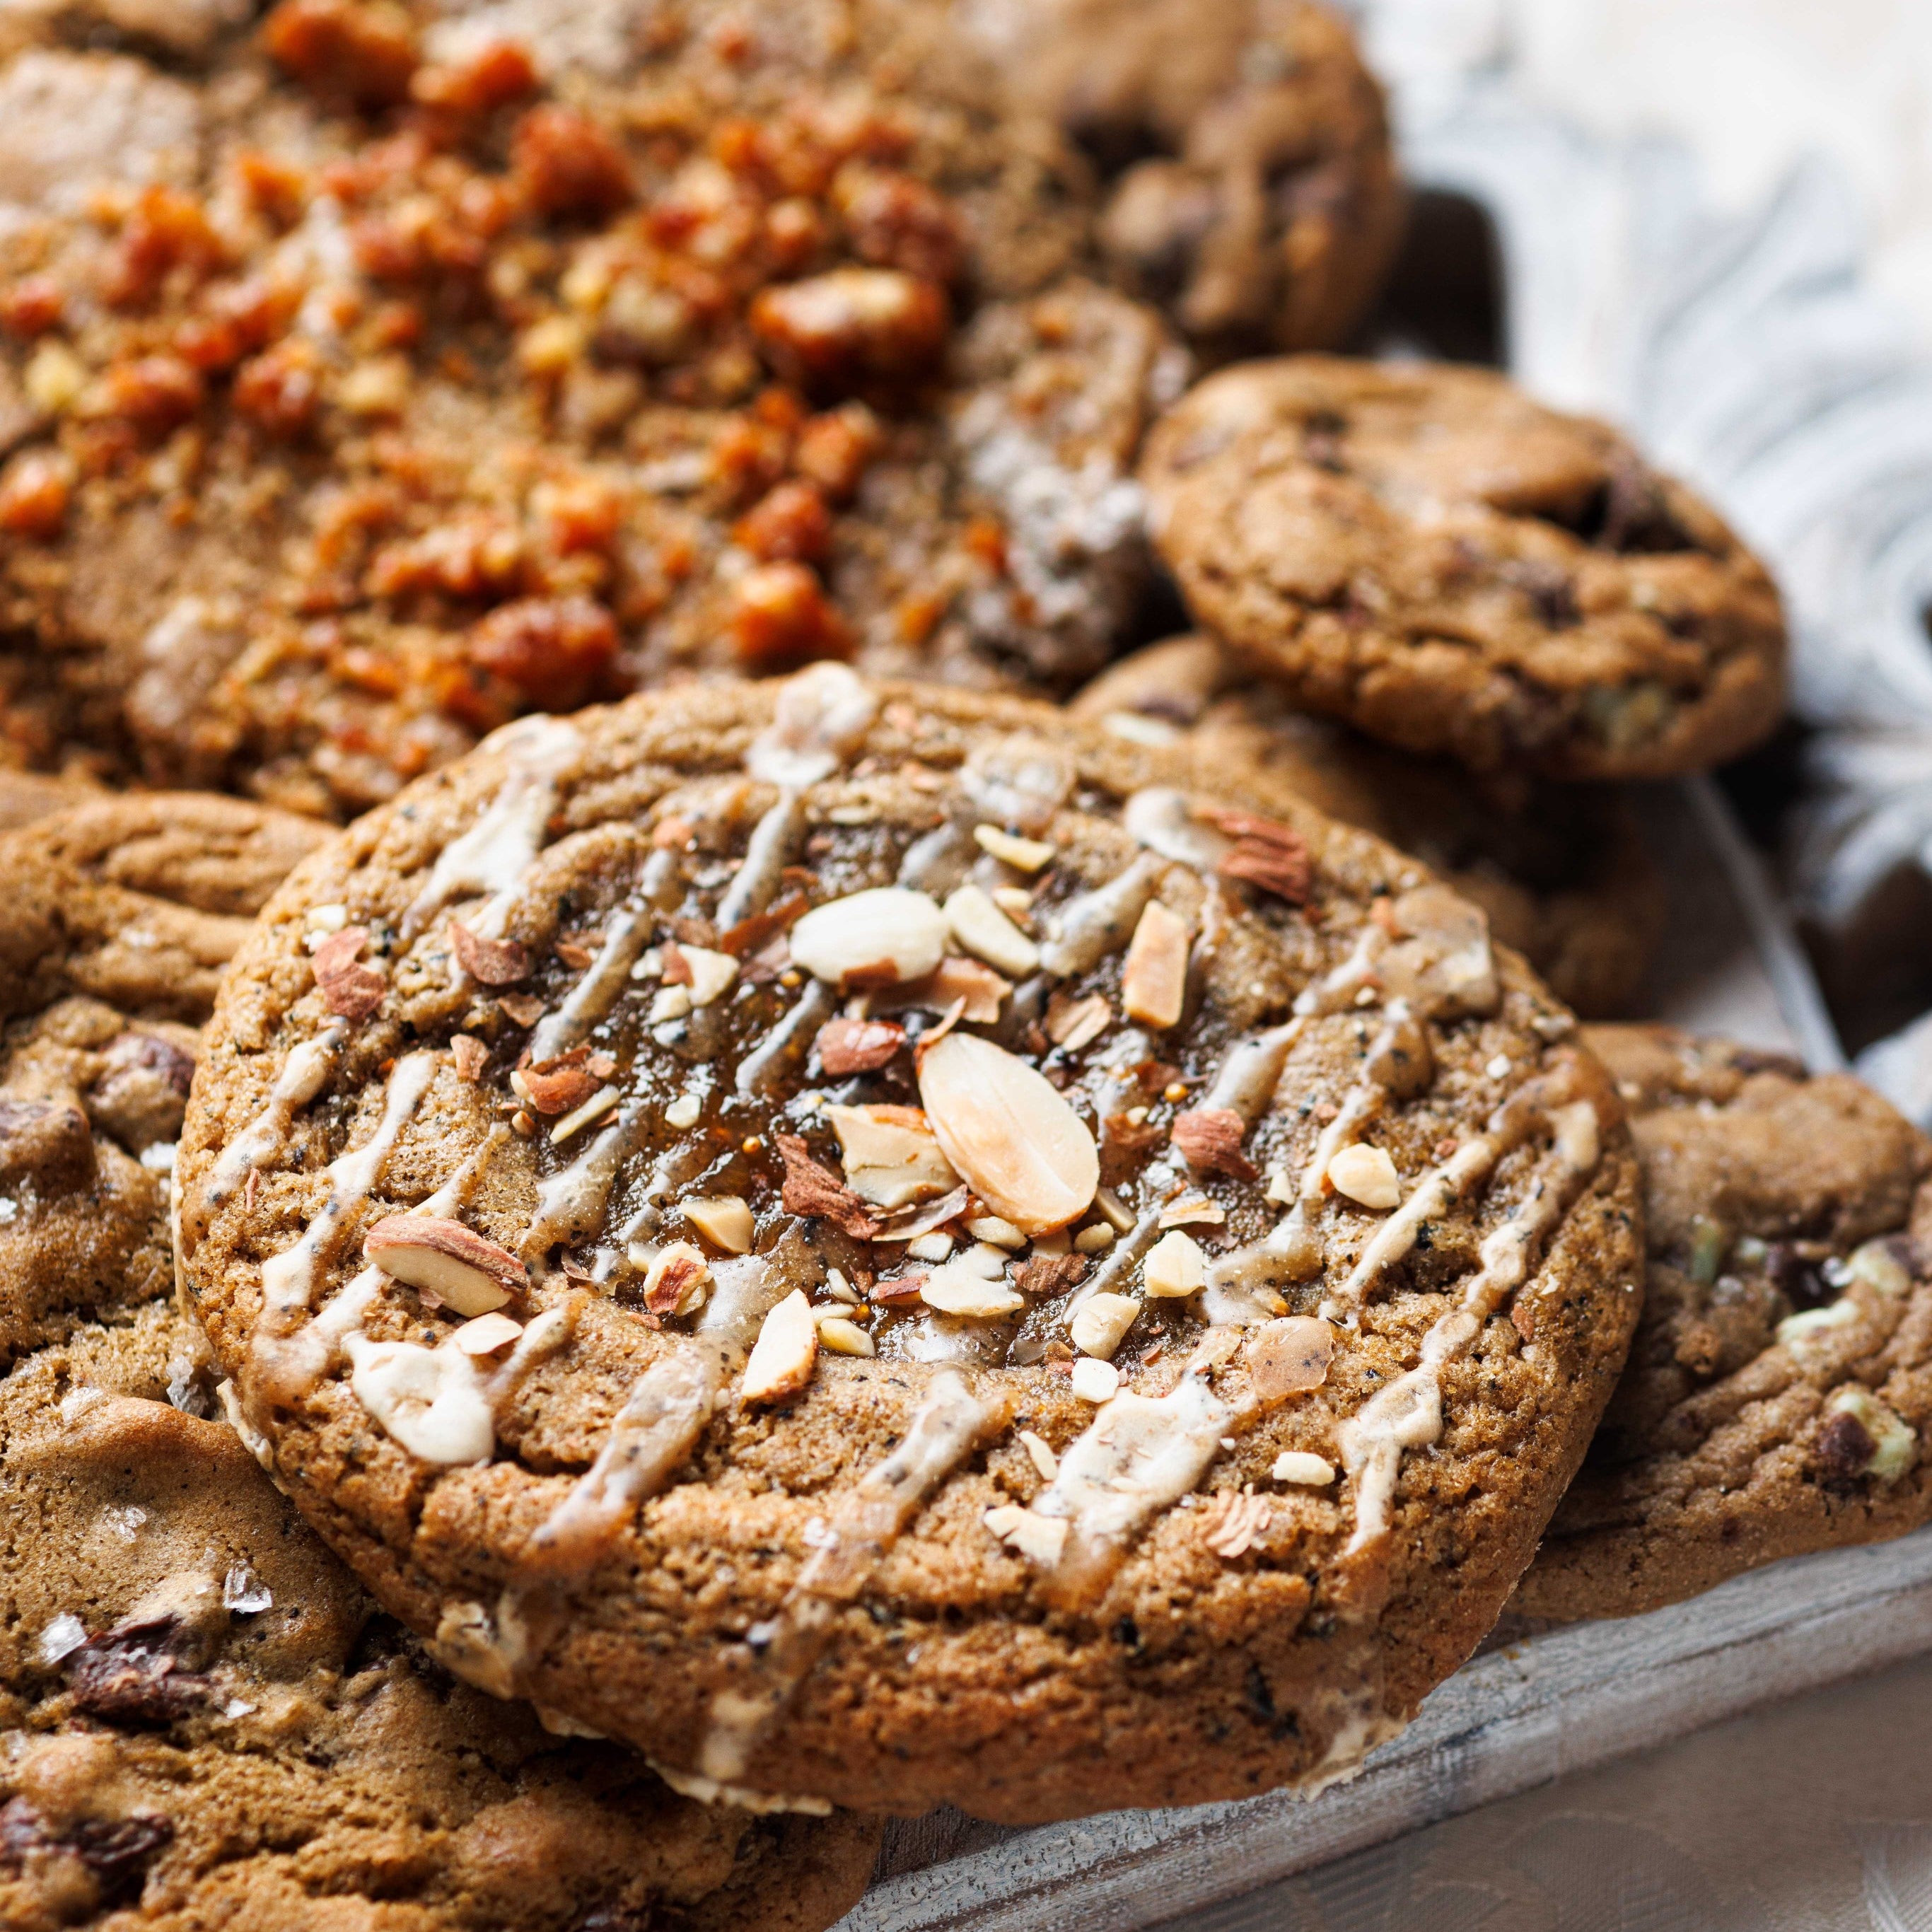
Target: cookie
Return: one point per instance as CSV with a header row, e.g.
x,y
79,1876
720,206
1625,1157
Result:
x,y
1780,1384
1250,187
1560,870
203,1719
1423,551
883,1244
417,371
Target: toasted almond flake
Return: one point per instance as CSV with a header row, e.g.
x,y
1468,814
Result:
x,y
1153,983
933,1247
1197,1210
892,1156
985,932
712,973
844,1336
956,1290
1010,1134
782,1356
1175,1267
486,1333
683,1111
460,1267
347,986
839,1288
1366,1174
991,1228
1096,1381
599,1104
923,1217
1041,1452
1209,1139
1039,1539
724,1220
857,1046
823,1311
525,1009
1289,1357
953,980
1073,1023
1101,1322
880,937
1023,855
1096,1239
1301,1466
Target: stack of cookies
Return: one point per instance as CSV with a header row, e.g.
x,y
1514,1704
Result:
x,y
791,1029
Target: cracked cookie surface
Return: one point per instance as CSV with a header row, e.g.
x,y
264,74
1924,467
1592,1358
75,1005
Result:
x,y
886,1245
1780,1381
1426,553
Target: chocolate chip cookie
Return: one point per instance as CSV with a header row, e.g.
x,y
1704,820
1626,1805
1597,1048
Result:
x,y
1780,1384
1427,553
1250,187
1560,870
419,370
202,1718
883,1244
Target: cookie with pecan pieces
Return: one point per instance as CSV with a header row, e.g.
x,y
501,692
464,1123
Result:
x,y
1560,870
1780,1387
1250,187
951,1256
1426,553
404,370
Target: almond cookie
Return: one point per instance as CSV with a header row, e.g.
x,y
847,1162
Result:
x,y
1780,1384
1426,553
883,1245
203,1719
1560,870
1251,189
416,371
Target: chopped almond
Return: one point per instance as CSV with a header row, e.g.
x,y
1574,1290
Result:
x,y
1209,1138
1154,985
455,1264
783,1355
489,962
347,987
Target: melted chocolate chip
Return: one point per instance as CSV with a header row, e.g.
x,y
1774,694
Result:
x,y
130,1677
1845,1450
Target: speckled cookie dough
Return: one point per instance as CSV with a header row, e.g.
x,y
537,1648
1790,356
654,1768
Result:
x,y
1781,1384
397,374
203,1719
1244,149
887,1247
1425,552
1560,870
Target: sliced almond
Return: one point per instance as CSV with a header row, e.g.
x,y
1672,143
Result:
x,y
599,1104
1196,1210
1366,1174
1039,1539
1040,1451
953,979
954,1291
986,932
1289,1357
1012,1137
1101,1322
1176,1266
724,1220
487,1334
1154,984
989,1228
880,937
929,1247
1023,855
844,1336
1073,1023
891,1155
455,1264
782,1356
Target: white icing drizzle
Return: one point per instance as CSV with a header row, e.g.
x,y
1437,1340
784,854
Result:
x,y
764,1067
494,854
288,1279
1139,1455
1093,924
767,852
455,1191
949,1422
820,716
572,1200
597,992
303,1075
1163,820
1408,1414
1251,1070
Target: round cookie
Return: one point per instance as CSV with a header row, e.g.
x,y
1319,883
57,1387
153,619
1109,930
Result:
x,y
1426,553
203,1719
1560,870
1780,1383
445,367
882,1244
1251,189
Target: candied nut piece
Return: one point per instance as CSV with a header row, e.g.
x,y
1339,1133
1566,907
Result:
x,y
882,937
851,327
1015,1140
455,1264
781,616
781,1358
557,651
489,962
34,492
360,50
1365,1174
1154,988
